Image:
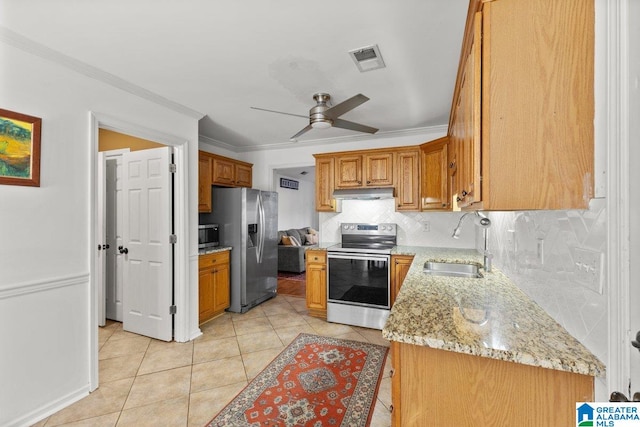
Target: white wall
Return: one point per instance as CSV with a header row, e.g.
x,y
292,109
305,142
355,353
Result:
x,y
296,208
45,257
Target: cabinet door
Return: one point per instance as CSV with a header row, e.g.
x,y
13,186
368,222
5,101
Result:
x,y
325,184
221,297
400,265
206,295
223,172
204,183
407,181
378,169
348,171
243,176
435,175
317,286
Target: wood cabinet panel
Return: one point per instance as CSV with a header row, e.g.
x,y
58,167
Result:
x,y
223,172
204,183
407,181
434,187
325,176
427,385
400,265
522,135
213,285
243,175
348,171
316,266
378,169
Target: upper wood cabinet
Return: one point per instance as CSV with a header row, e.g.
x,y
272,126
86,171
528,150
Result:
x,y
407,180
521,123
434,187
325,175
364,170
204,182
219,170
231,173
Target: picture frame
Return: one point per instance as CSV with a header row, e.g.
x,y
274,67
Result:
x,y
288,183
19,149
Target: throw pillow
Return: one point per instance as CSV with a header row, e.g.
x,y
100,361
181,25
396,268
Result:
x,y
286,240
312,231
294,241
312,239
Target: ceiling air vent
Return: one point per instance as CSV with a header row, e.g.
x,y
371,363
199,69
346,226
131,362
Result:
x,y
367,58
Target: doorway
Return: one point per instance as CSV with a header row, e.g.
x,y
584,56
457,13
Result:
x,y
182,327
135,227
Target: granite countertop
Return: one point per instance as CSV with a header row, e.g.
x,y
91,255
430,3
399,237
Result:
x,y
214,250
488,317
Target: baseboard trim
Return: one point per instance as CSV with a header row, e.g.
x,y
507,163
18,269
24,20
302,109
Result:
x,y
44,411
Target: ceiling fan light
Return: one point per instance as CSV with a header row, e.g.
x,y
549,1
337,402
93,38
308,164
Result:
x,y
321,125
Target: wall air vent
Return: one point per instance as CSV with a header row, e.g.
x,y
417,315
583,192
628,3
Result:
x,y
367,58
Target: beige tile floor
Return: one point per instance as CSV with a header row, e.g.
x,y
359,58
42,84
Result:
x,y
145,382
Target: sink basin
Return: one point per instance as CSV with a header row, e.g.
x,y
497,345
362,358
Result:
x,y
452,269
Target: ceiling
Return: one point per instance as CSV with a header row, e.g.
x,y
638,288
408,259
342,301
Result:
x,y
217,58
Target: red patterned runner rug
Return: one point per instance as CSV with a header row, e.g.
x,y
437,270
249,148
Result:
x,y
315,381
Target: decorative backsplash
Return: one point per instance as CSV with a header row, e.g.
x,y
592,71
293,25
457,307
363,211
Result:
x,y
543,252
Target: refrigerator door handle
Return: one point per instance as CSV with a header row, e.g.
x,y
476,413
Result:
x,y
261,225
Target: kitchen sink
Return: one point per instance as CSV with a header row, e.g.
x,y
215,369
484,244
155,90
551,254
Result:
x,y
452,269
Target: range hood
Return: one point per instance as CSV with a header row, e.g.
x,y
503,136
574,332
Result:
x,y
363,194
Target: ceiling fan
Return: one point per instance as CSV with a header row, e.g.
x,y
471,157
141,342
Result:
x,y
322,116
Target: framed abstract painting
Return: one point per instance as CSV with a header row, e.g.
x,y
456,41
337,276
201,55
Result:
x,y
19,149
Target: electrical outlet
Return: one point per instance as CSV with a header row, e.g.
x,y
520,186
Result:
x,y
426,226
588,269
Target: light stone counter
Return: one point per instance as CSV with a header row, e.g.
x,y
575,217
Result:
x,y
214,250
488,317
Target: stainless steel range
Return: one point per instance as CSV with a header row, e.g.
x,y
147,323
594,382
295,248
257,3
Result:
x,y
359,275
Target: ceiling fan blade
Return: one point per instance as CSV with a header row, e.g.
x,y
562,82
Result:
x,y
344,124
345,106
306,129
280,112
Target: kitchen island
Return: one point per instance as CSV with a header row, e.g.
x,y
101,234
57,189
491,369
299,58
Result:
x,y
475,351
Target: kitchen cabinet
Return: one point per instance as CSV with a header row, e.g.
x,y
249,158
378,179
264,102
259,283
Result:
x,y
204,182
316,276
521,122
369,169
231,173
213,285
434,187
407,180
325,175
399,267
433,387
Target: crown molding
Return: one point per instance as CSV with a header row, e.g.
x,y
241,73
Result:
x,y
323,141
27,45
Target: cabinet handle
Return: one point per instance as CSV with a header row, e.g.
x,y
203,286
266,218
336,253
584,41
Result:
x,y
464,193
391,408
451,165
368,182
458,199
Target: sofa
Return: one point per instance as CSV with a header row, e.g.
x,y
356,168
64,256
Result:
x,y
292,245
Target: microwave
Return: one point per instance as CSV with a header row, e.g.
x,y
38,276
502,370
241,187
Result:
x,y
208,236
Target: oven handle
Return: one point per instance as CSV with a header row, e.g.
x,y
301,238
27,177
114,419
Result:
x,y
365,257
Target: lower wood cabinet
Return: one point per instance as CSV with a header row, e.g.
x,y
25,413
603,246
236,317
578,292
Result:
x,y
431,387
316,266
399,267
213,284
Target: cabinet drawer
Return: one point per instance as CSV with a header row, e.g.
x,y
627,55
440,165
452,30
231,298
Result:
x,y
210,260
317,256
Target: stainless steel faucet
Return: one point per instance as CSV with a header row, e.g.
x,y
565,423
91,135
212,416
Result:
x,y
483,222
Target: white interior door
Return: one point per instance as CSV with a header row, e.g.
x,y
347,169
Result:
x,y
113,230
147,266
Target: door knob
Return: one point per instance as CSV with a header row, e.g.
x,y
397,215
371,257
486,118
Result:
x,y
123,250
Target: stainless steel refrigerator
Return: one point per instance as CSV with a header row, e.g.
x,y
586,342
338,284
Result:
x,y
248,222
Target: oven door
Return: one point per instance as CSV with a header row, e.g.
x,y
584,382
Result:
x,y
358,279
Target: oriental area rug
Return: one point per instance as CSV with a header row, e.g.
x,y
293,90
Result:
x,y
315,381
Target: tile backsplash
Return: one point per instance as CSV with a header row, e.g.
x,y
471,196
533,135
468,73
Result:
x,y
538,250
